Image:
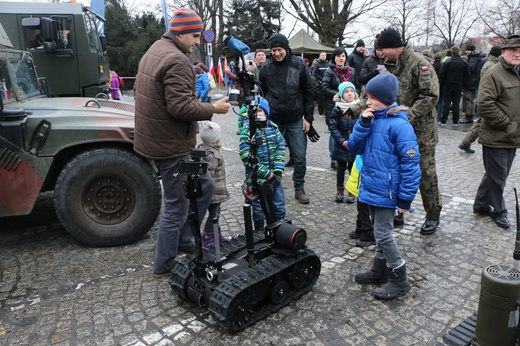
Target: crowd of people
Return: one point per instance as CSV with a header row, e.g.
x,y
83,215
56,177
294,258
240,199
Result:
x,y
382,110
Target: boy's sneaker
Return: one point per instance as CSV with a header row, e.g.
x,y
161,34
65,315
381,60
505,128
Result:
x,y
350,199
221,238
339,196
207,240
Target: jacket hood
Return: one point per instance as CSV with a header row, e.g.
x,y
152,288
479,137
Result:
x,y
393,110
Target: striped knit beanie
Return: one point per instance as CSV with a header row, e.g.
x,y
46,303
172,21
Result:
x,y
185,21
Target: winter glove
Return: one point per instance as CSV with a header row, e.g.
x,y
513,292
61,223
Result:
x,y
248,194
274,181
313,135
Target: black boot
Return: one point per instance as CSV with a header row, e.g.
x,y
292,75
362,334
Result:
x,y
466,148
397,284
377,275
355,234
366,239
468,119
259,226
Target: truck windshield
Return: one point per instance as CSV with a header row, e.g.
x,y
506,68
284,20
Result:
x,y
25,83
92,33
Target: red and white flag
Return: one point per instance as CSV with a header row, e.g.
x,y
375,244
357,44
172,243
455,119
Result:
x,y
220,74
211,67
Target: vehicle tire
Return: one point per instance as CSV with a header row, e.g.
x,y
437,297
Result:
x,y
107,197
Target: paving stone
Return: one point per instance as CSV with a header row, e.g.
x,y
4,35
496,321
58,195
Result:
x,y
55,291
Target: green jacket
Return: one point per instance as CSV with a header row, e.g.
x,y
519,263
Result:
x,y
498,95
419,91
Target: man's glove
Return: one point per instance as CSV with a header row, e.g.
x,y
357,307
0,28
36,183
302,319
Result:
x,y
313,135
274,181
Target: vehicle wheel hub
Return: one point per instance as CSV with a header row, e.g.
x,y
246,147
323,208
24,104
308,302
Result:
x,y
108,200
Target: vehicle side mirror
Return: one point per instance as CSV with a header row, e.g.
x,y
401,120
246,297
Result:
x,y
104,44
48,31
31,23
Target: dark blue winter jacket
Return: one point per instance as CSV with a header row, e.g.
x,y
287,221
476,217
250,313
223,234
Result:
x,y
391,174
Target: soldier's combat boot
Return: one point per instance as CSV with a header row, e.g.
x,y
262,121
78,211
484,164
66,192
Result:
x,y
397,284
468,119
377,275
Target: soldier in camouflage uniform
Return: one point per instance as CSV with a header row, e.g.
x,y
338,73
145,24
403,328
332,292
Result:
x,y
418,90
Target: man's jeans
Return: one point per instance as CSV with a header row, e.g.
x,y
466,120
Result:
x,y
297,142
174,228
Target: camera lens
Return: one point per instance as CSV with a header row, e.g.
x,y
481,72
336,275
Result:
x,y
234,97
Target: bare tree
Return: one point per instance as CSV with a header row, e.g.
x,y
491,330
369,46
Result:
x,y
453,19
406,16
329,18
502,19
212,15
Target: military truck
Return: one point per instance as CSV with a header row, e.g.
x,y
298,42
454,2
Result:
x,y
80,148
65,44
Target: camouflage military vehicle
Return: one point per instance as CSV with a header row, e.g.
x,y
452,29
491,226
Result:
x,y
80,148
64,41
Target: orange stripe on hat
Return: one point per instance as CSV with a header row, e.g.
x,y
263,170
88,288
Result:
x,y
185,21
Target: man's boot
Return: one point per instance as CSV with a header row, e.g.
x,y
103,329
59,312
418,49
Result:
x,y
468,119
355,234
397,284
377,275
366,239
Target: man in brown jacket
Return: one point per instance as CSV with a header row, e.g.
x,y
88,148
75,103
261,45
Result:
x,y
166,115
498,96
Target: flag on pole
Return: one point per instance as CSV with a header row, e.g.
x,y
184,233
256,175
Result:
x,y
98,7
220,75
210,66
166,17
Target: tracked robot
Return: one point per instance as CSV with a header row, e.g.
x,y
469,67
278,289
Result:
x,y
253,275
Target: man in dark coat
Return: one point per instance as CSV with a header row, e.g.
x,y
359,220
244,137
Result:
x,y
454,72
471,85
322,64
356,58
288,86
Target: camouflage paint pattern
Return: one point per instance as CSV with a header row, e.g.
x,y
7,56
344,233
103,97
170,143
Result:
x,y
74,123
468,101
419,90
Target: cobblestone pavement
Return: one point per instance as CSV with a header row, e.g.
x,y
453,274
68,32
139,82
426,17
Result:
x,y
56,291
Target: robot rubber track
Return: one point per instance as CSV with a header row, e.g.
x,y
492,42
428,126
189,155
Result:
x,y
254,292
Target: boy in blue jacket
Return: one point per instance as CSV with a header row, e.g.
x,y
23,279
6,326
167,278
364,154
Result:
x,y
391,178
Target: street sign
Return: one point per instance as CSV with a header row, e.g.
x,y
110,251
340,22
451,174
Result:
x,y
209,36
209,49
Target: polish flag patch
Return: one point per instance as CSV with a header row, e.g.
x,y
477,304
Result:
x,y
424,68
